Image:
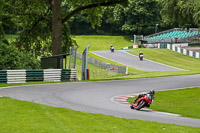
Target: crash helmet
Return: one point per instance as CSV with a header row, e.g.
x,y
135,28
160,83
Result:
x,y
152,92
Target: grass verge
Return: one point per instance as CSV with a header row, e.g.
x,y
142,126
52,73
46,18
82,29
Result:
x,y
171,58
185,102
22,117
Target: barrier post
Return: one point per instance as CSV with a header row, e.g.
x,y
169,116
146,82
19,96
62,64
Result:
x,y
88,74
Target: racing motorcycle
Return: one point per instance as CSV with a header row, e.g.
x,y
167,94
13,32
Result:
x,y
142,102
141,57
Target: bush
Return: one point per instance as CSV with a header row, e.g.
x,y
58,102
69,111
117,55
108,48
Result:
x,y
12,58
30,61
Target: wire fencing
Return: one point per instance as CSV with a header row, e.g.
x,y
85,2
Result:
x,y
98,73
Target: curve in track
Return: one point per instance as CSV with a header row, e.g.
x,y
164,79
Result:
x,y
95,97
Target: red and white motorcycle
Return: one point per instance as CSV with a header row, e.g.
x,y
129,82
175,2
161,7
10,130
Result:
x,y
142,102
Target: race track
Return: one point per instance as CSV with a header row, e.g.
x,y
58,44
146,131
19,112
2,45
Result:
x,y
130,60
96,97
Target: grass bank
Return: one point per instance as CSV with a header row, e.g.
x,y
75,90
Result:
x,y
22,117
163,56
98,42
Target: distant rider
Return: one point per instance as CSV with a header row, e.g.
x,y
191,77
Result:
x,y
112,48
140,54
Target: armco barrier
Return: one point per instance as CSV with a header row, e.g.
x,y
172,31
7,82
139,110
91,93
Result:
x,y
183,51
52,74
34,75
120,69
22,76
16,76
3,76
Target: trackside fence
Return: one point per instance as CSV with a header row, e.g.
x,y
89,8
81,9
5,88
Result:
x,y
183,51
117,69
22,76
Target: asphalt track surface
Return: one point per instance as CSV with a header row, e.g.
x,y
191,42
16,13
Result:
x,y
130,60
96,97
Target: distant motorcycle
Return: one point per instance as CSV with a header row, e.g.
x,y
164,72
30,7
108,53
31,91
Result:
x,y
141,57
142,102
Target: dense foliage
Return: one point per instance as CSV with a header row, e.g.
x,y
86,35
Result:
x,y
182,13
137,17
141,17
43,23
12,58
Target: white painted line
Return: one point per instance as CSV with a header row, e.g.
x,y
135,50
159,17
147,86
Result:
x,y
180,88
107,58
158,62
165,113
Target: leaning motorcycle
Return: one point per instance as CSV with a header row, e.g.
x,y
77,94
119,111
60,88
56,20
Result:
x,y
142,102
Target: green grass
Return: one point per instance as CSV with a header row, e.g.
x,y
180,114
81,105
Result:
x,y
171,58
164,56
185,102
25,117
102,42
28,83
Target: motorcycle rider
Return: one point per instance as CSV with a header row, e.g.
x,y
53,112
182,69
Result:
x,y
141,55
151,93
111,48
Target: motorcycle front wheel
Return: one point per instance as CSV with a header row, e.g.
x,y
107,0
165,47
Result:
x,y
141,104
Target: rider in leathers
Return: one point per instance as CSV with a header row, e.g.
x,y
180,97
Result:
x,y
152,92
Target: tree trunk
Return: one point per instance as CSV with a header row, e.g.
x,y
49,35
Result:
x,y
56,27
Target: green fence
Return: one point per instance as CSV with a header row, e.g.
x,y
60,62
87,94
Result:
x,y
34,75
3,76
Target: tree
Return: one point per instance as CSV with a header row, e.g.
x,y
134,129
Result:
x,y
57,22
181,13
139,17
44,22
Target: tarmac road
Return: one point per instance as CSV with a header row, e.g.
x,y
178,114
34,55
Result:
x,y
130,60
96,97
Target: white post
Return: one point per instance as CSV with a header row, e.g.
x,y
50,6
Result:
x,y
184,51
134,39
197,55
191,53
